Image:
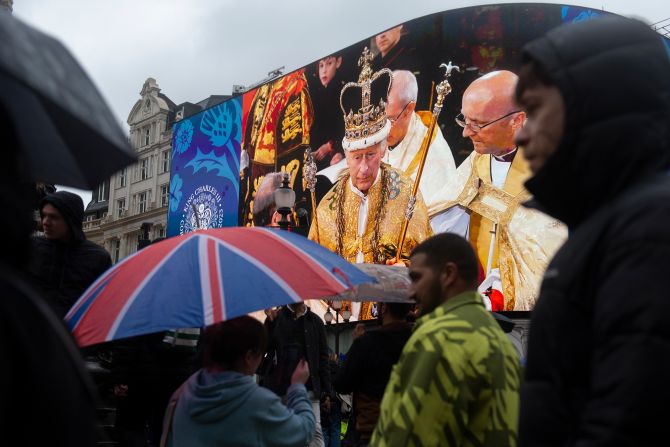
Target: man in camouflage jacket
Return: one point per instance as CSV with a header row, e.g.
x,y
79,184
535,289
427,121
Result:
x,y
457,381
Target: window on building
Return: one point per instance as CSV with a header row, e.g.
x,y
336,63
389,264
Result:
x,y
142,199
102,192
120,207
147,136
116,250
145,168
90,217
161,232
121,179
165,195
165,161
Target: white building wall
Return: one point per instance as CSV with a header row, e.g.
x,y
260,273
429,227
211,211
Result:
x,y
127,227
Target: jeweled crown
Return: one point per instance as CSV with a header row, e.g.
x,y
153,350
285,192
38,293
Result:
x,y
369,125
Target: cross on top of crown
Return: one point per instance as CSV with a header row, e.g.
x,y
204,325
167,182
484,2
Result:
x,y
364,63
365,58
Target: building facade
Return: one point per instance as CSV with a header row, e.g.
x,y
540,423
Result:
x,y
7,5
130,210
131,207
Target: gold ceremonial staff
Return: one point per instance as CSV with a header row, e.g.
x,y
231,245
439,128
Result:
x,y
443,89
309,177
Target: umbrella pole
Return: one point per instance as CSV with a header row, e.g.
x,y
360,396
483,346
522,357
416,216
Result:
x,y
337,333
195,213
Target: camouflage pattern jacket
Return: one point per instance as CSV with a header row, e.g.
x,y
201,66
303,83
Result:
x,y
456,383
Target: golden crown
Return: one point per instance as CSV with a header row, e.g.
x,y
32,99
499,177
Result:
x,y
369,125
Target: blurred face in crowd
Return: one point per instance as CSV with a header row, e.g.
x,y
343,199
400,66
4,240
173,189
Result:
x,y
426,286
545,121
388,39
364,165
54,225
490,114
327,69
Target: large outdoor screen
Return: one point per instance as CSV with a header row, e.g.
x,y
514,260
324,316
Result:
x,y
222,155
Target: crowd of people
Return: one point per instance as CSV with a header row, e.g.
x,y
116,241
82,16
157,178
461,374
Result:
x,y
572,155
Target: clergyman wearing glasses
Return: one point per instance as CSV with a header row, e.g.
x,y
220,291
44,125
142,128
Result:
x,y
483,200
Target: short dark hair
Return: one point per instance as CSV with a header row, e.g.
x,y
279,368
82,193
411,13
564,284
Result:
x,y
531,74
226,342
399,310
450,247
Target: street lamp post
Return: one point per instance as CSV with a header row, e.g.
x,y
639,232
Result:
x,y
284,200
346,315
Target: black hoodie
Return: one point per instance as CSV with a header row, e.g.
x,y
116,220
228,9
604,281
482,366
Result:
x,y
62,271
614,77
599,347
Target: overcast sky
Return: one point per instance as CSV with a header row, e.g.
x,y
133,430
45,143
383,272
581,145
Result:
x,y
198,48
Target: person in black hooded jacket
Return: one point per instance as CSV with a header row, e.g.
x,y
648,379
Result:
x,y
597,98
63,262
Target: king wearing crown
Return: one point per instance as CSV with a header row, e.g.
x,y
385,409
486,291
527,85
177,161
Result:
x,y
361,217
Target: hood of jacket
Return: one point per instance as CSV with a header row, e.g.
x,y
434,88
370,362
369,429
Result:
x,y
614,77
214,396
71,207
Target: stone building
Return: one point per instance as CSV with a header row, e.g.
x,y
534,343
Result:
x,y
130,209
6,5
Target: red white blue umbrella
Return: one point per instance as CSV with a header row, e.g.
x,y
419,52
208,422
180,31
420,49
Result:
x,y
205,277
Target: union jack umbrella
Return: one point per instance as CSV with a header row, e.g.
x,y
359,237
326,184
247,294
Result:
x,y
204,277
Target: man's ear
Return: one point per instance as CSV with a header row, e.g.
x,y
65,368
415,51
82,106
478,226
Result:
x,y
411,107
249,358
449,275
518,121
338,61
383,309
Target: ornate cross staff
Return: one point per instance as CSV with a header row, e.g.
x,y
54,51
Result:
x,y
309,176
443,89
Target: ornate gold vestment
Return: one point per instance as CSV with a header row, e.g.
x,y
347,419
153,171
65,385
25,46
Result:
x,y
387,200
526,239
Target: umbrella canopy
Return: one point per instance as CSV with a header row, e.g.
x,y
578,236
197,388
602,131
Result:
x,y
205,277
66,132
391,285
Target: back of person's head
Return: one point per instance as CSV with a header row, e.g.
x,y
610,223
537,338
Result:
x,y
449,247
399,311
404,87
71,207
226,343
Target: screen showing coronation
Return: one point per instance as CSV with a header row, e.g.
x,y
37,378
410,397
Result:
x,y
353,130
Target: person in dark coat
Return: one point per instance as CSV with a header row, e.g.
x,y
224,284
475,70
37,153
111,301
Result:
x,y
295,332
331,420
368,365
63,262
597,137
48,397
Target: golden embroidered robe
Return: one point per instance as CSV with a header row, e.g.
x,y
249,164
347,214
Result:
x,y
397,190
526,239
